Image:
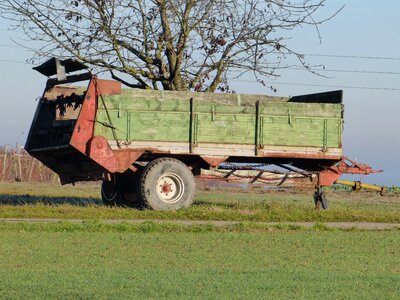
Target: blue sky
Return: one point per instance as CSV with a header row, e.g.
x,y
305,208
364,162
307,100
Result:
x,y
366,28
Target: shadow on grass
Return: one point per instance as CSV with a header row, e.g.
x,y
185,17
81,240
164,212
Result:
x,y
27,199
77,201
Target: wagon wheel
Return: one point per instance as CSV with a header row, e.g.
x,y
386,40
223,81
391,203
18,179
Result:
x,y
130,189
110,193
123,191
320,200
167,184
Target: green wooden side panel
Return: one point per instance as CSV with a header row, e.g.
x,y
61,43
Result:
x,y
319,110
132,103
103,126
155,126
294,131
227,119
225,129
144,126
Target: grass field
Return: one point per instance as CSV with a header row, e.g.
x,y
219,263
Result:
x,y
89,261
247,260
83,202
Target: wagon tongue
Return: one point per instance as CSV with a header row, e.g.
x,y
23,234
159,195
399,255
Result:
x,y
61,68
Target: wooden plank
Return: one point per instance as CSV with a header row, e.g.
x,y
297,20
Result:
x,y
215,149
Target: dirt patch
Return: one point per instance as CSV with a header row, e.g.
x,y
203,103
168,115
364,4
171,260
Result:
x,y
248,212
215,209
336,225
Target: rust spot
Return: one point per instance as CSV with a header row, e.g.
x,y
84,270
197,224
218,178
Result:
x,y
100,151
214,161
126,158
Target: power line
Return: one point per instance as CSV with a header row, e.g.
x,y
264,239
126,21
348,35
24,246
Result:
x,y
347,71
305,54
13,61
292,83
289,68
342,86
323,85
295,68
10,46
341,56
353,56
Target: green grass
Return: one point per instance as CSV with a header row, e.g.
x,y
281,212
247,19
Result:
x,y
50,190
216,205
93,261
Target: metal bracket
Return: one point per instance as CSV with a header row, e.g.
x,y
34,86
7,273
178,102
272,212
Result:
x,y
345,166
61,74
257,133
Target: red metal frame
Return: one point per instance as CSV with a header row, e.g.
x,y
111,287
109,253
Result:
x,y
214,161
345,166
84,127
97,148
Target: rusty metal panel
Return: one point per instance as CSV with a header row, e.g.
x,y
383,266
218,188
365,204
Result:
x,y
107,87
55,117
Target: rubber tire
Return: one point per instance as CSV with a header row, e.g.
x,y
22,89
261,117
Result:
x,y
130,190
111,194
155,170
123,191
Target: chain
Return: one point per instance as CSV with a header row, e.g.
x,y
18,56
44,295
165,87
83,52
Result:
x,y
288,175
255,167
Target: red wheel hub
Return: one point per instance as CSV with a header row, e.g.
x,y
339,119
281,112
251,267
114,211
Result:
x,y
166,188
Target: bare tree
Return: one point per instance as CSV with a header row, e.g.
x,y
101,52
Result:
x,y
168,44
